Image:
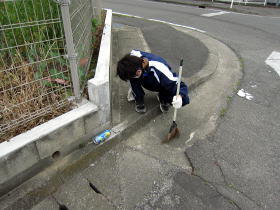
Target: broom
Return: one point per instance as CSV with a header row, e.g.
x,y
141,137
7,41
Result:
x,y
174,131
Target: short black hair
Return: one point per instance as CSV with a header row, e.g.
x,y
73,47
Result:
x,y
128,65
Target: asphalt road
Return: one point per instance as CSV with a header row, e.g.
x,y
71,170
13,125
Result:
x,y
245,145
175,44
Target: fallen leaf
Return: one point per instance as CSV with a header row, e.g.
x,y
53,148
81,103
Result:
x,y
61,81
83,62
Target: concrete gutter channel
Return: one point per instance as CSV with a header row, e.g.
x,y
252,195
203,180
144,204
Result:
x,y
72,138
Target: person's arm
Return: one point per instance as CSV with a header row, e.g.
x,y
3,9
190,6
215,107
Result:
x,y
184,93
168,82
171,87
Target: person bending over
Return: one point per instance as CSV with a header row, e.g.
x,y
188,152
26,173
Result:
x,y
152,72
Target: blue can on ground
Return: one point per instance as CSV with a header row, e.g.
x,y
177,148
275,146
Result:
x,y
102,137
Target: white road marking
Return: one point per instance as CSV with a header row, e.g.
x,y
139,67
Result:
x,y
273,61
215,14
188,6
244,94
160,21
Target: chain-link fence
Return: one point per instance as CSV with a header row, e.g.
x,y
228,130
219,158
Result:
x,y
245,2
81,14
248,2
37,65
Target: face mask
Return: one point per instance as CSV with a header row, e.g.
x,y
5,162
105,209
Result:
x,y
135,77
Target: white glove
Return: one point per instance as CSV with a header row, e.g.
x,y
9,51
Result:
x,y
177,102
130,96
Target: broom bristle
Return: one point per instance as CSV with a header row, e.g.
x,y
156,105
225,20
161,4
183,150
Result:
x,y
171,135
178,133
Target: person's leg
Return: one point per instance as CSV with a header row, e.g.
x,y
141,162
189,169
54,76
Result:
x,y
165,101
138,94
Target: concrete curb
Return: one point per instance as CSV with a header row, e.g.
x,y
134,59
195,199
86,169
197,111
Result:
x,y
210,65
28,153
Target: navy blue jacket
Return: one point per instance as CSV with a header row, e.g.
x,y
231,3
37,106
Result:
x,y
159,77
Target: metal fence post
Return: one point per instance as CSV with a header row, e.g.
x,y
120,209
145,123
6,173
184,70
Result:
x,y
231,4
97,9
72,55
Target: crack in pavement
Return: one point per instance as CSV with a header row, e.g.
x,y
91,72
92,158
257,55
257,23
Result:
x,y
220,168
190,162
211,184
225,181
216,190
230,185
97,191
161,161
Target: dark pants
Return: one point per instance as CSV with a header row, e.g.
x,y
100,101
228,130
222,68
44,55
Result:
x,y
164,97
138,93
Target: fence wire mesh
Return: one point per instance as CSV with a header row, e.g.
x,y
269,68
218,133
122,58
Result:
x,y
81,14
35,81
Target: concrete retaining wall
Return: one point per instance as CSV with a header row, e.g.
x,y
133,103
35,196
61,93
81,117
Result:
x,y
30,152
99,86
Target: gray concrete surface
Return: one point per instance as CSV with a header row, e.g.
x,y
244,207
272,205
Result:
x,y
209,168
244,148
78,194
49,203
142,173
217,162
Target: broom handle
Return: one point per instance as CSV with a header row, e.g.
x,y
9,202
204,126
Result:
x,y
178,87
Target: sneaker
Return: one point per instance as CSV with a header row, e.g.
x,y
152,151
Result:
x,y
164,107
140,108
